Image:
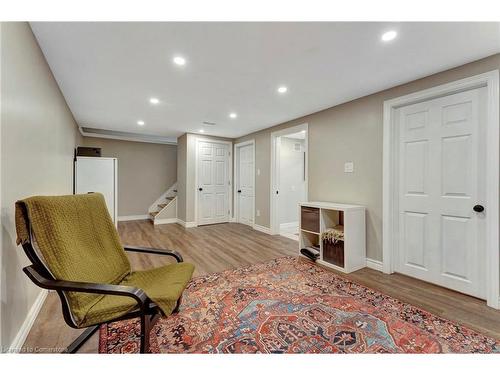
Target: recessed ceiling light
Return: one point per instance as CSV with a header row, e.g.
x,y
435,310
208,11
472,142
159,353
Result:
x,y
179,60
389,35
282,89
201,131
233,115
141,123
154,100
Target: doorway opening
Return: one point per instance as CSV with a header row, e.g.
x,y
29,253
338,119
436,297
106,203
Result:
x,y
288,179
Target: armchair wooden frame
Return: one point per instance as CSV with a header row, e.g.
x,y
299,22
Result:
x,y
146,310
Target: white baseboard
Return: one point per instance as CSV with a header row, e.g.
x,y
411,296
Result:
x,y
493,305
292,225
133,217
22,334
291,236
188,224
261,228
374,264
172,220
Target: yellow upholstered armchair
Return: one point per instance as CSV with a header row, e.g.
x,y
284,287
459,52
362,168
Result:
x,y
75,250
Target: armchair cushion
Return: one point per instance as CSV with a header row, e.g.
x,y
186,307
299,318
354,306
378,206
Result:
x,y
164,285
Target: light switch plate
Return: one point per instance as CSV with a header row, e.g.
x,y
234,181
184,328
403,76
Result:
x,y
258,171
349,167
258,212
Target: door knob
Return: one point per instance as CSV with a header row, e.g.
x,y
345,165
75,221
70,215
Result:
x,y
200,189
478,208
239,191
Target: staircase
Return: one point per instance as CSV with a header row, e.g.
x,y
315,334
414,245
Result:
x,y
164,209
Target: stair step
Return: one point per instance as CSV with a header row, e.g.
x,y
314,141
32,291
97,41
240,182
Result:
x,y
153,214
163,205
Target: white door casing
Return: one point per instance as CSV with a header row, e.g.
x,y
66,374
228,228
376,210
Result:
x,y
449,153
213,182
245,182
441,177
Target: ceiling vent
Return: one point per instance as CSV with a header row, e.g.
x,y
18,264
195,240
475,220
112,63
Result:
x,y
209,123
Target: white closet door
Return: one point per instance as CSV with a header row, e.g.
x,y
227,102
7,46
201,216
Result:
x,y
97,175
441,179
213,183
245,184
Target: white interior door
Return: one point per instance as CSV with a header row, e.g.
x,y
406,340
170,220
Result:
x,y
245,184
441,179
97,175
213,183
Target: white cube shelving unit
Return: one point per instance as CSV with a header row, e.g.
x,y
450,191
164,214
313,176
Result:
x,y
328,215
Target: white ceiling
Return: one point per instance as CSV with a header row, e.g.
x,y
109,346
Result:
x,y
108,71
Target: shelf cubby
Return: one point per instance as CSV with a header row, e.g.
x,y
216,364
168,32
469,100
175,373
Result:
x,y
309,239
346,256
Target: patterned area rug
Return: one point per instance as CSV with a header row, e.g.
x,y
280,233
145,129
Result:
x,y
290,305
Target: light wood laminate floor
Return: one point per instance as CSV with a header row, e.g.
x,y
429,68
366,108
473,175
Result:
x,y
214,248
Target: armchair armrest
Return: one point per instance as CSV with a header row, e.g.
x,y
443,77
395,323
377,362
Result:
x,y
76,286
148,250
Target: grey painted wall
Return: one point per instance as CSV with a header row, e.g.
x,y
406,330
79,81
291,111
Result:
x,y
37,142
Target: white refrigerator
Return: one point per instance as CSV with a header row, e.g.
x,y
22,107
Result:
x,y
98,175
